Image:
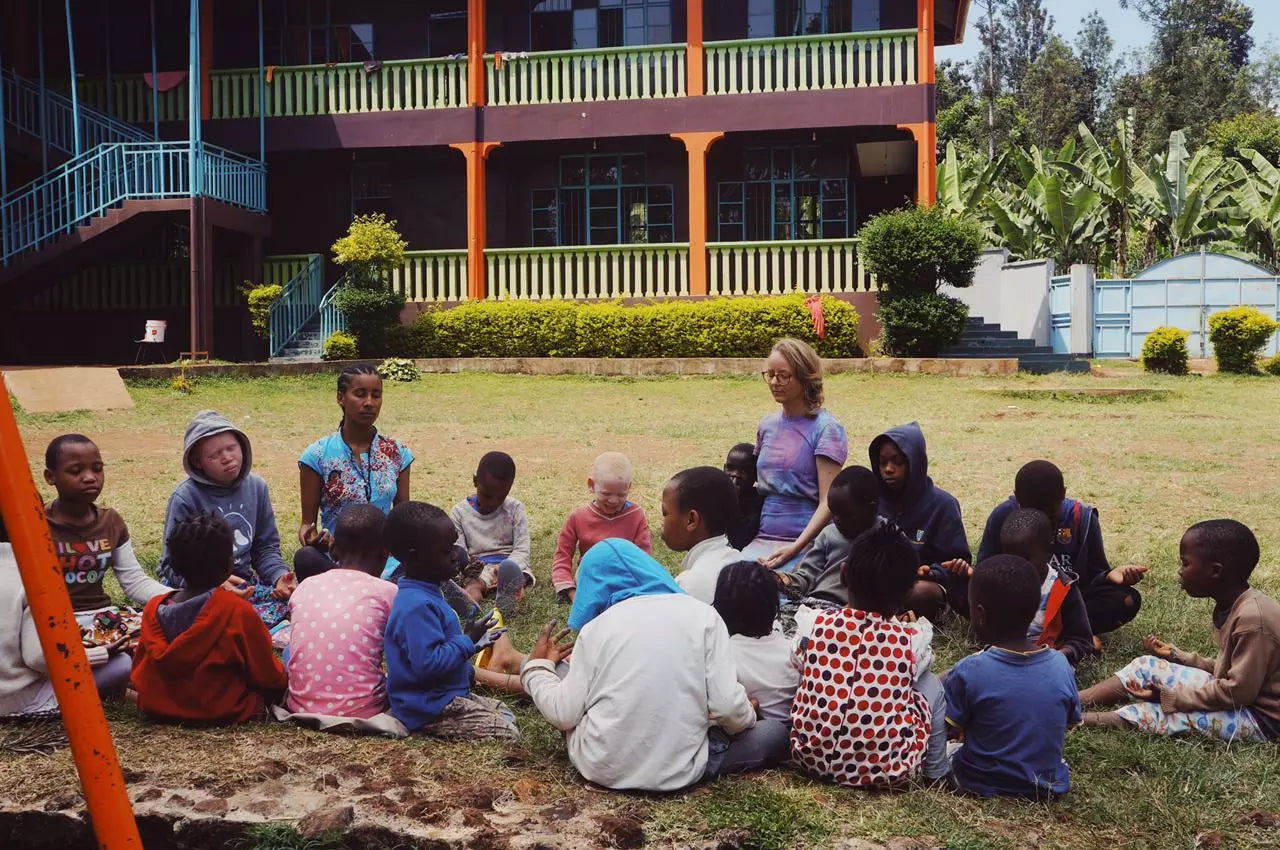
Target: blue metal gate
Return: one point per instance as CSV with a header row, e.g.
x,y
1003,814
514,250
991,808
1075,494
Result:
x,y
1182,292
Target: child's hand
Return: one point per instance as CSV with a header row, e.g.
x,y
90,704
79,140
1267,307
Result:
x,y
238,586
119,645
309,535
923,571
285,586
481,627
1127,576
489,638
549,644
755,706
779,557
907,616
1154,646
958,567
1151,693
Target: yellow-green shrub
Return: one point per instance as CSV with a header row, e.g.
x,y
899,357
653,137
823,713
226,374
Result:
x,y
1238,335
1271,365
1165,350
720,327
340,346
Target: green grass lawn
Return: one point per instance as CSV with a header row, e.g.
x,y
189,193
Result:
x,y
1152,465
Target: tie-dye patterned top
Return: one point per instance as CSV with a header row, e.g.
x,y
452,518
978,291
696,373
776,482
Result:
x,y
787,452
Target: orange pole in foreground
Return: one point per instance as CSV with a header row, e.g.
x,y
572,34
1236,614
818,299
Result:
x,y
86,724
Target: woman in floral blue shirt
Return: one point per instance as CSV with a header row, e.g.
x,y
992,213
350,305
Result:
x,y
354,465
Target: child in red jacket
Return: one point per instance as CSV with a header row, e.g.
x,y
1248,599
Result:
x,y
204,655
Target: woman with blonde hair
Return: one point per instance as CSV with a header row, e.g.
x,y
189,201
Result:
x,y
799,451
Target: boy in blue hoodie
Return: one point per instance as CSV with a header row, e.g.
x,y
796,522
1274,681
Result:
x,y
1110,597
927,514
429,669
219,462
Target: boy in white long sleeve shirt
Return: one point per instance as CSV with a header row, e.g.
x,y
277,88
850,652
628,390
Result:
x,y
747,600
697,507
647,708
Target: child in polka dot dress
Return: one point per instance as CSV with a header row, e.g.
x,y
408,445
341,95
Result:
x,y
335,657
856,719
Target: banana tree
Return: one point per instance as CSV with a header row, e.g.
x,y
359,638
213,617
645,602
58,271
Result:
x,y
1115,173
962,185
1050,213
1190,198
1257,208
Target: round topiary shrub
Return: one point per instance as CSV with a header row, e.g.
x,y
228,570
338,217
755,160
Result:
x,y
1165,350
370,251
340,346
1272,365
911,251
921,325
1238,335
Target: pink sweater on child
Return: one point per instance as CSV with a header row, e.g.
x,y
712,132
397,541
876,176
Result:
x,y
586,527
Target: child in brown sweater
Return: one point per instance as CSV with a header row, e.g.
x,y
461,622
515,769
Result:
x,y
1233,698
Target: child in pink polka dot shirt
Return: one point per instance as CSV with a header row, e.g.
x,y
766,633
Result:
x,y
335,656
863,715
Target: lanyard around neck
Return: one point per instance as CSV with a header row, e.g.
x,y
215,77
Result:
x,y
368,465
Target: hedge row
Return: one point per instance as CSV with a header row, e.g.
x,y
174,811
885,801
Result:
x,y
728,327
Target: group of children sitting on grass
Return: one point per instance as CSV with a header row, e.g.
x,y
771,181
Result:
x,y
726,667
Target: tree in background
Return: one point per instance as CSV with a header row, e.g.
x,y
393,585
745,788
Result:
x,y
1030,28
1095,49
1055,96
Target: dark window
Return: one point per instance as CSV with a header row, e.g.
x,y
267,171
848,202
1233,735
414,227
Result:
x,y
778,18
308,34
785,194
588,24
602,199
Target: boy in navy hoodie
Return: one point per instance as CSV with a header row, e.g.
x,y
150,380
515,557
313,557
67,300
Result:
x,y
429,670
928,515
1109,594
218,459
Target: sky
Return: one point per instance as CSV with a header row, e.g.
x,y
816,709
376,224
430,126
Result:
x,y
1126,28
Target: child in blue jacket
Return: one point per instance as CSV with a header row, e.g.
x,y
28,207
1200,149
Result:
x,y
429,670
928,515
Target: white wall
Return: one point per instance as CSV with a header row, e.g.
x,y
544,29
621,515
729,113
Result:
x,y
1012,295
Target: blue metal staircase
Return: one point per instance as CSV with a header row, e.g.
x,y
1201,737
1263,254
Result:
x,y
304,315
22,99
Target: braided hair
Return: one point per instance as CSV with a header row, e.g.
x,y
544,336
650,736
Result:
x,y
201,549
880,570
348,375
747,599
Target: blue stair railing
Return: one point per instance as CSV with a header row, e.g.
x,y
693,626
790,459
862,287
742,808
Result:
x,y
331,318
91,184
22,111
297,304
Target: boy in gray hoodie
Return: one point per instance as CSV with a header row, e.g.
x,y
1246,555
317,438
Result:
x,y
218,459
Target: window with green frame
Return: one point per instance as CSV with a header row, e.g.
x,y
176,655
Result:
x,y
602,199
786,193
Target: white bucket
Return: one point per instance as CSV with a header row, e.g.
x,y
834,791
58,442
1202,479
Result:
x,y
155,330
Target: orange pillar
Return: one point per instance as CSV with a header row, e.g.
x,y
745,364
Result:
x,y
206,59
697,144
926,136
475,52
476,153
924,41
694,58
91,746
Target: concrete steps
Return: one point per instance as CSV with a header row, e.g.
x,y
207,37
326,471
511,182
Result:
x,y
306,347
982,339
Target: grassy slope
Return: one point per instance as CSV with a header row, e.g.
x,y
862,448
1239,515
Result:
x,y
1152,466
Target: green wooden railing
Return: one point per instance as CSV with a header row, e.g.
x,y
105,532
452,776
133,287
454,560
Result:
x,y
129,98
157,285
811,62
282,268
574,76
432,276
342,89
774,268
588,272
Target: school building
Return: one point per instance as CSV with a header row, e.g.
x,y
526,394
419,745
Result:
x,y
157,155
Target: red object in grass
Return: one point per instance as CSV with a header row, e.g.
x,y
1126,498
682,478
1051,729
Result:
x,y
814,303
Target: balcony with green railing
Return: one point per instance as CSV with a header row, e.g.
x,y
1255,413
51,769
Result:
x,y
645,72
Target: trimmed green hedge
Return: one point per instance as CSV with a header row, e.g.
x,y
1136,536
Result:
x,y
719,327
